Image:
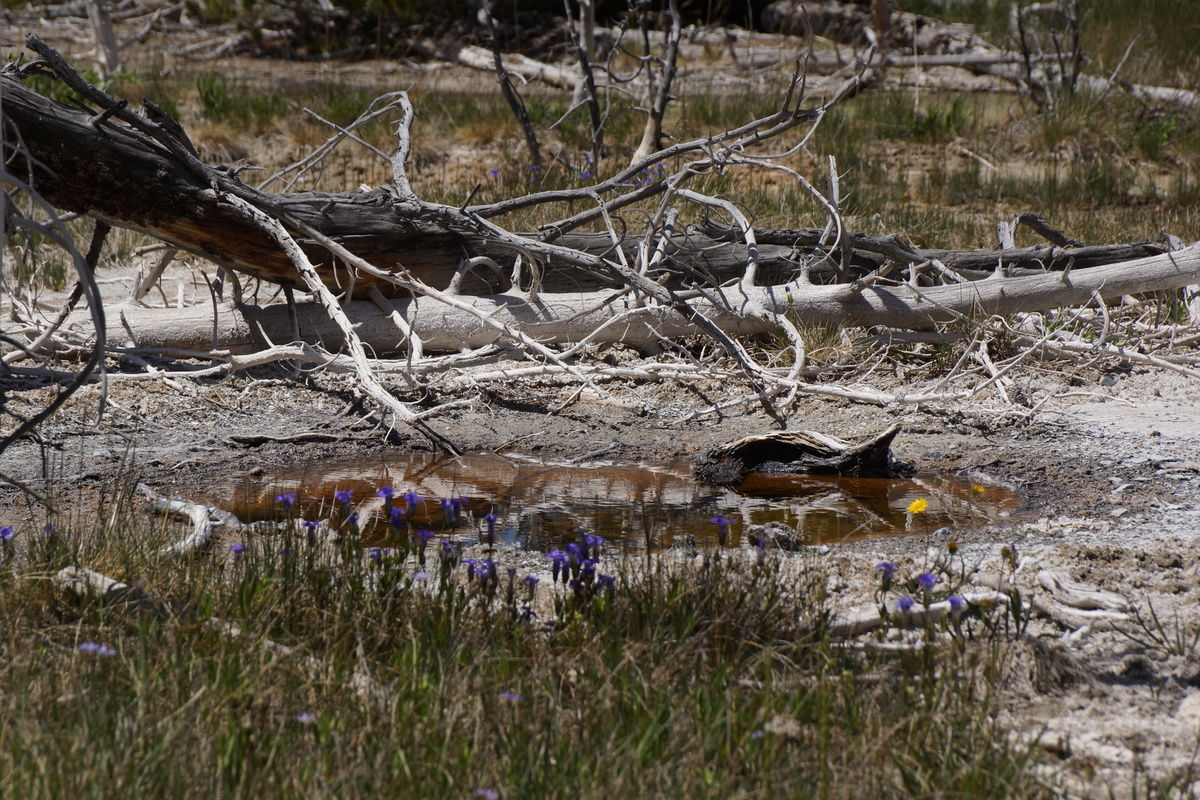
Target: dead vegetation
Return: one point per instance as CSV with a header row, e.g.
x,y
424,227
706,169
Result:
x,y
663,250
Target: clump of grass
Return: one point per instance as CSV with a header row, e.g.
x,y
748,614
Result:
x,y
222,101
708,677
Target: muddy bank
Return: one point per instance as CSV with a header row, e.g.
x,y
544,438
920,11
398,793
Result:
x,y
1128,458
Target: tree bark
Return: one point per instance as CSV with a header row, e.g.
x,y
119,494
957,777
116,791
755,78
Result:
x,y
119,176
570,317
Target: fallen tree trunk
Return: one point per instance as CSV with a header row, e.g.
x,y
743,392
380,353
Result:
x,y
941,43
122,177
718,283
605,316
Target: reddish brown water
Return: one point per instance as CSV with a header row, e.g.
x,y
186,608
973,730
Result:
x,y
542,505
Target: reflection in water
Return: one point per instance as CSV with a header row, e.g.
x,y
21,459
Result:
x,y
543,505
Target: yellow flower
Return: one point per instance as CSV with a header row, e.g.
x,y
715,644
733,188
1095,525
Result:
x,y
976,488
918,505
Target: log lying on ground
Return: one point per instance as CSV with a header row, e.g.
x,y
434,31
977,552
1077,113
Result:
x,y
664,285
122,177
799,453
940,43
607,316
118,175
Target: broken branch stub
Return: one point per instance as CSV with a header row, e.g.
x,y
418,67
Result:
x,y
800,453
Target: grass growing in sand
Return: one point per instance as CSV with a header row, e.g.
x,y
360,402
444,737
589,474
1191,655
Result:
x,y
712,677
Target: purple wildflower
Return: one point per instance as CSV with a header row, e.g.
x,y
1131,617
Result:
x,y
584,176
353,519
722,524
758,734
377,554
287,499
412,499
344,497
96,649
6,533
423,538
397,518
587,570
926,581
593,545
237,550
531,581
386,492
560,562
511,697
48,529
490,519
488,568
420,576
306,718
494,171
608,582
487,794
905,604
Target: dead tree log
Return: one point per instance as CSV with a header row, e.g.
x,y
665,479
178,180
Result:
x,y
116,174
602,318
124,178
953,44
722,283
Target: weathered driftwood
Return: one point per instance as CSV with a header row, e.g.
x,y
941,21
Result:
x,y
863,619
604,316
1080,595
140,173
940,43
1059,608
202,526
206,521
799,453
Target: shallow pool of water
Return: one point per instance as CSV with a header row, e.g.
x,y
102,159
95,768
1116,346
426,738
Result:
x,y
542,504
